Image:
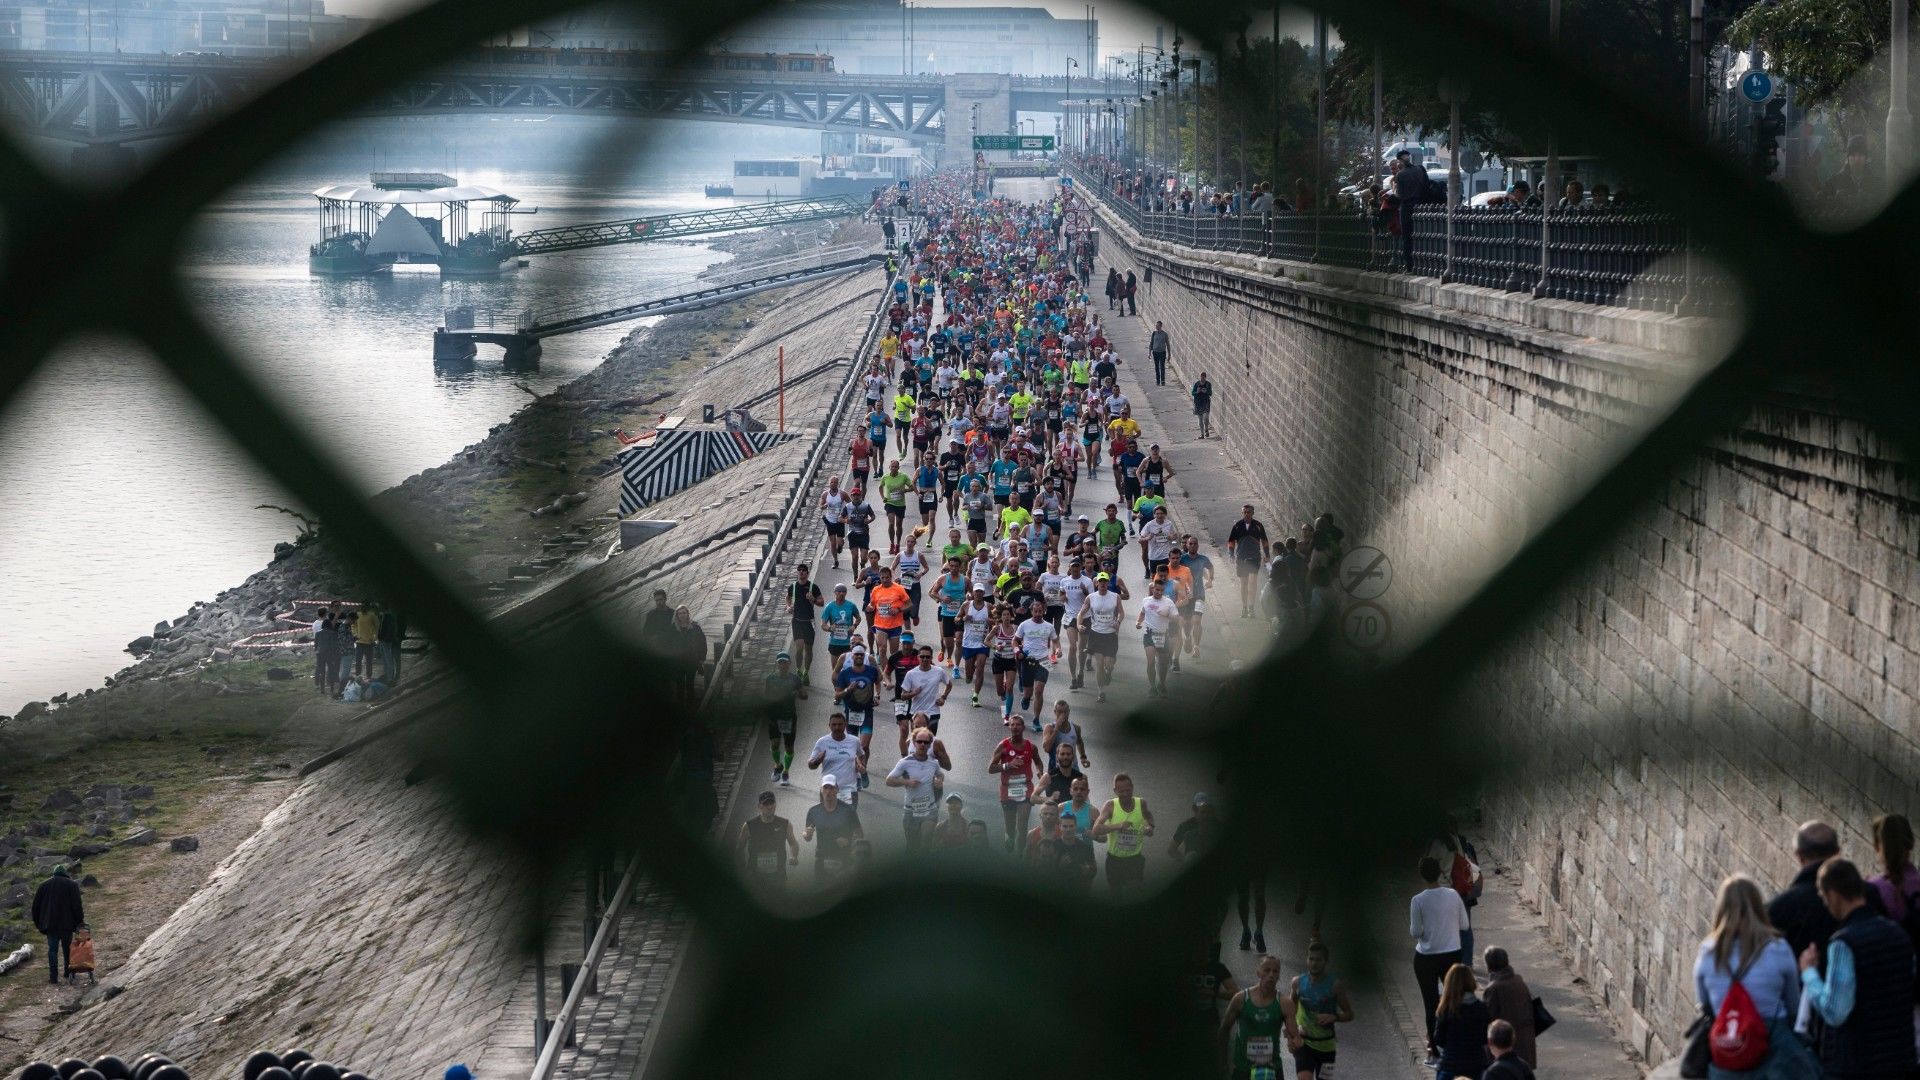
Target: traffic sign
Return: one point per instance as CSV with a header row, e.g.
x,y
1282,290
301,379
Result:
x,y
1365,626
1013,142
1756,86
1365,573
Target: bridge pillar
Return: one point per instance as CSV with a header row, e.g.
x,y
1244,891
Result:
x,y
522,351
452,348
993,94
104,164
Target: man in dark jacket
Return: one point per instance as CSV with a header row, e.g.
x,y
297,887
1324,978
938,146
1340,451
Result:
x,y
1410,184
1860,984
58,910
1798,912
1506,1063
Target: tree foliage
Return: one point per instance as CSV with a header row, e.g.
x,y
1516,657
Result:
x,y
1834,52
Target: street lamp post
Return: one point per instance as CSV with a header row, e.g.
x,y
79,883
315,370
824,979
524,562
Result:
x,y
1553,155
1066,94
1899,152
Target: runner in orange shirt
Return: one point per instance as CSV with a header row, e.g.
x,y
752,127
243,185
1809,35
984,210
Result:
x,y
887,612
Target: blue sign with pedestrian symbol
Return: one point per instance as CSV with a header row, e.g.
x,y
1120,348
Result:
x,y
1756,85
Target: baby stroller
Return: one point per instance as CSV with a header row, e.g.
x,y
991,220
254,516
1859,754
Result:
x,y
80,959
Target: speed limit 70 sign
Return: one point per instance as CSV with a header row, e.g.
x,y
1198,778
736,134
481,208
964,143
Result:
x,y
1365,626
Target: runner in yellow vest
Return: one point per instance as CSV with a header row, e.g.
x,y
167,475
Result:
x,y
1124,823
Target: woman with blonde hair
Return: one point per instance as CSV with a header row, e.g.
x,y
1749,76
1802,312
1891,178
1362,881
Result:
x,y
1460,1026
1743,946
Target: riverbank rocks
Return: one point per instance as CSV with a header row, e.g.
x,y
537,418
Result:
x,y
140,838
60,800
184,844
86,849
162,628
31,709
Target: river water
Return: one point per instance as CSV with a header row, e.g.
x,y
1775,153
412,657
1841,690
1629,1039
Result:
x,y
122,503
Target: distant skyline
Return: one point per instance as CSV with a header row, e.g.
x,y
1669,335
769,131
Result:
x,y
1122,26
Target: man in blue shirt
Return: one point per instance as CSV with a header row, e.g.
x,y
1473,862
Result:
x,y
1864,989
841,618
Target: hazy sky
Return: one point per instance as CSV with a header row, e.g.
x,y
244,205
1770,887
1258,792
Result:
x,y
1122,26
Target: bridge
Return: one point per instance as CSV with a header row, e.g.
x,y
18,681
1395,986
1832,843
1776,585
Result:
x,y
522,343
111,100
690,223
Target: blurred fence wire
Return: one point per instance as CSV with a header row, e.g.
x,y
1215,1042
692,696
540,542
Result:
x,y
562,737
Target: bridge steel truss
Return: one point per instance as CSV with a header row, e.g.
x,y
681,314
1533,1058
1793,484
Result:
x,y
690,223
910,110
112,100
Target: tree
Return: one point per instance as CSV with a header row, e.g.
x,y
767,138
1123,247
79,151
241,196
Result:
x,y
1834,52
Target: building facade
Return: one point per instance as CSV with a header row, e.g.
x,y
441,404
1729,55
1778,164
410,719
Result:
x,y
256,28
883,38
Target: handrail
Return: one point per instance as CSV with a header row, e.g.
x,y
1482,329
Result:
x,y
556,1037
563,1024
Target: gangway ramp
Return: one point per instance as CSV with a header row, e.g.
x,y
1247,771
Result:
x,y
691,223
458,342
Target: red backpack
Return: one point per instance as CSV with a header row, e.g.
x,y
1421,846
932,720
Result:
x,y
1738,1038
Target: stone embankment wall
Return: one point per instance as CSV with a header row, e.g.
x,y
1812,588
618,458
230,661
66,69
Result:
x,y
363,920
1737,663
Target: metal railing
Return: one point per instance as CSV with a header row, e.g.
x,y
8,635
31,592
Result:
x,y
1629,257
552,1039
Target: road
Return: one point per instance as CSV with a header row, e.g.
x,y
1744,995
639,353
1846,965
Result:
x,y
1205,497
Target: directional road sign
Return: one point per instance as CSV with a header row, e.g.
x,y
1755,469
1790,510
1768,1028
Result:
x,y
1042,143
1756,85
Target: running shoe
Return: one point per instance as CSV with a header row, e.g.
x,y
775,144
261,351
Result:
x,y
1246,939
776,774
1036,723
786,779
864,781
976,701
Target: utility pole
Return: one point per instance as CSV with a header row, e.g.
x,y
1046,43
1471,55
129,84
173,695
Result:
x,y
1553,156
1319,125
1697,70
1899,149
1219,106
1273,168
1379,108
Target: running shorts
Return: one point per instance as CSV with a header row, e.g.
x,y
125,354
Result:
x,y
1004,664
1100,644
1032,672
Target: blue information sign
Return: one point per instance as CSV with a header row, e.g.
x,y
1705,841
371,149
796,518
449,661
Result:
x,y
1756,85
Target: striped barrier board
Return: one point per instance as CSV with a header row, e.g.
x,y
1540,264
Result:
x,y
679,457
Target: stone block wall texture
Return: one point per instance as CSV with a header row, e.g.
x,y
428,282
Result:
x,y
1739,661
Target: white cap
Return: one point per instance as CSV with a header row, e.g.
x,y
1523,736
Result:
x,y
829,780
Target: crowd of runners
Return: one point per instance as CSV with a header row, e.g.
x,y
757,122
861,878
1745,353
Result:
x,y
987,503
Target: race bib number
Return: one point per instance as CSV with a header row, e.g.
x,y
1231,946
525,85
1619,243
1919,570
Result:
x,y
1017,789
833,864
1260,1049
902,708
1158,637
920,806
784,725
886,611
766,863
1127,841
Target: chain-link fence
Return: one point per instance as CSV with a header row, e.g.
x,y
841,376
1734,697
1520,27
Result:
x,y
571,742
